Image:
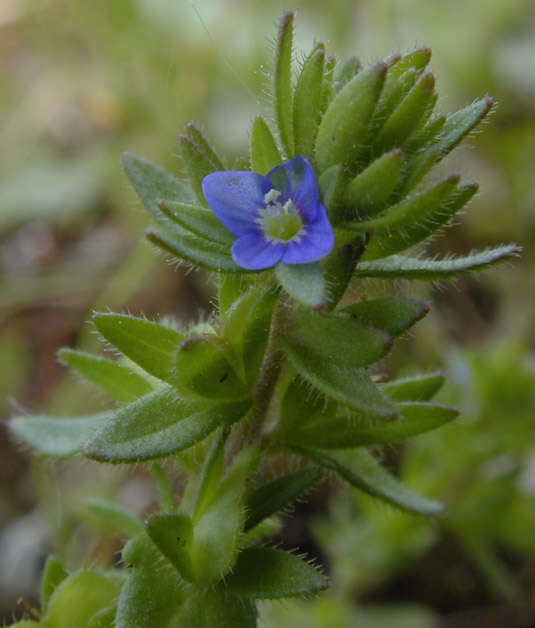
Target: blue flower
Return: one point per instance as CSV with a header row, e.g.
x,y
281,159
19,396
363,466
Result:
x,y
276,218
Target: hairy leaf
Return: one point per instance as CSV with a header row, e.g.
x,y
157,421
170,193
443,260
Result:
x,y
216,608
265,154
198,220
392,314
198,138
303,282
172,535
197,165
282,82
415,388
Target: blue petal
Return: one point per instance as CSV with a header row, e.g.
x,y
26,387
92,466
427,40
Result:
x,y
316,242
295,179
235,197
254,252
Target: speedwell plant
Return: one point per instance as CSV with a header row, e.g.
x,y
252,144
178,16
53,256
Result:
x,y
281,386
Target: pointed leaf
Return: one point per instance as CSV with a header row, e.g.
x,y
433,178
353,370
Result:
x,y
56,437
172,535
192,249
361,470
345,71
303,282
152,182
460,123
265,154
269,498
54,573
399,266
117,380
282,82
198,138
307,102
266,573
197,166
417,59
151,345
344,127
392,314
415,388
157,425
370,190
198,220
339,266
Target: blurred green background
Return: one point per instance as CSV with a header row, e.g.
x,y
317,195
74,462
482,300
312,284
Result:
x,y
83,81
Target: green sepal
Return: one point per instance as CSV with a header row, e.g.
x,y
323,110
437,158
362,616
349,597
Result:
x,y
265,154
119,381
369,191
339,266
54,436
245,327
343,130
78,597
334,337
401,267
216,608
407,115
204,371
199,139
265,573
152,183
307,102
392,314
153,591
273,496
151,345
303,282
327,90
282,82
360,469
199,220
197,166
54,573
157,425
230,286
346,432
191,249
215,543
350,386
417,59
331,186
172,535
415,388
460,123
345,71
114,517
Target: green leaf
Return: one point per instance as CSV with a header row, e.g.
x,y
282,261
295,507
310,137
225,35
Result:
x,y
197,166
392,314
103,619
417,59
78,597
191,249
407,114
198,220
120,382
215,542
351,386
265,154
151,345
211,474
327,91
345,72
370,190
416,167
230,287
54,573
269,498
394,90
307,102
303,282
172,535
460,123
157,425
204,371
216,608
282,82
198,138
401,267
153,183
267,573
416,388
56,437
346,432
361,470
335,338
115,517
339,266
331,186
153,591
245,327
343,130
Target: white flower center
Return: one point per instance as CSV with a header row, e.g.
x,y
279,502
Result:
x,y
280,223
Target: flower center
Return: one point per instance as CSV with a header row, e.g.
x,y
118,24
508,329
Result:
x,y
280,223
